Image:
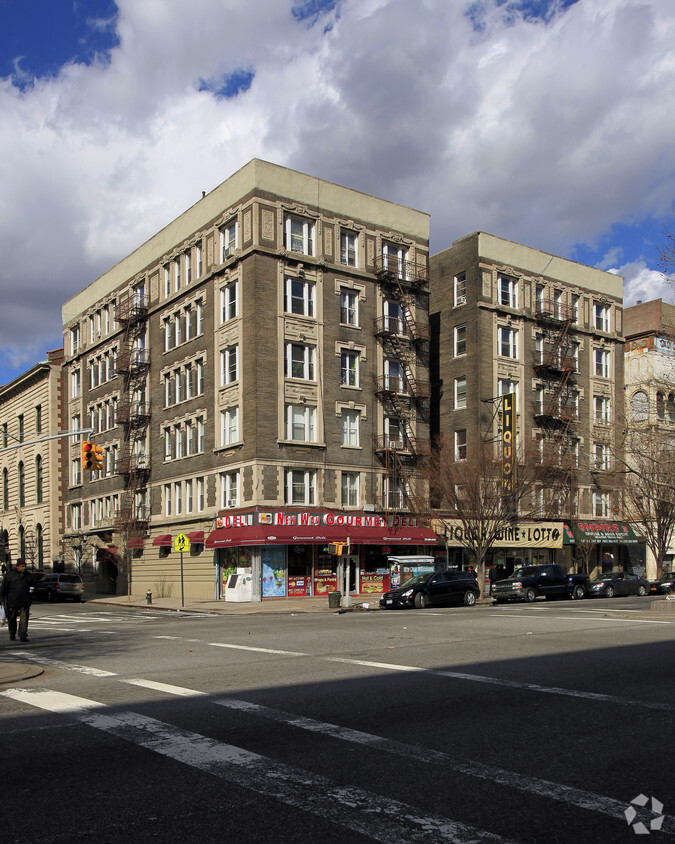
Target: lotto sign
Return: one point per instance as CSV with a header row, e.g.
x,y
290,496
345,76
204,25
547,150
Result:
x,y
508,444
181,543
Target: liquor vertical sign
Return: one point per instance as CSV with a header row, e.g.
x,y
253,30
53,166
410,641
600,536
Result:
x,y
508,445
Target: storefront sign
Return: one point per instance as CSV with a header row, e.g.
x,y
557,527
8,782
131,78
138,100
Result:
x,y
665,345
519,535
604,533
508,445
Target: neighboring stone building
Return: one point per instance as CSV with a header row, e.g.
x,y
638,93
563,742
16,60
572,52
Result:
x,y
649,364
258,366
31,464
507,318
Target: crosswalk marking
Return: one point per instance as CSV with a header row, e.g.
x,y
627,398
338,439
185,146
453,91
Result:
x,y
365,812
163,687
68,666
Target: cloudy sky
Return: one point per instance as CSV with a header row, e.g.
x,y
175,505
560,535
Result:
x,y
550,123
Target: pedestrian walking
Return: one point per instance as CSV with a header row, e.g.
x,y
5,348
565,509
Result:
x,y
16,594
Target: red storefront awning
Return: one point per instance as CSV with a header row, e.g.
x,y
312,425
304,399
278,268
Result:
x,y
319,535
135,542
196,537
163,539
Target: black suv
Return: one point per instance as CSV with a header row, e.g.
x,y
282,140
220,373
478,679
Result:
x,y
59,587
433,589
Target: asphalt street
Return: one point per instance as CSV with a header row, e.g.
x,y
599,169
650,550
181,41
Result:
x,y
528,723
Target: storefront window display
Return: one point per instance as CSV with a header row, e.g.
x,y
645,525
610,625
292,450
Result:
x,y
230,560
300,559
273,559
326,574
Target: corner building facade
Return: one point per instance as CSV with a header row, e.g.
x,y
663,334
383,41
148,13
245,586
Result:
x,y
507,318
263,356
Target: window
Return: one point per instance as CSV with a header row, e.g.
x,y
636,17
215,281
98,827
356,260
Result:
x,y
228,240
178,500
460,392
601,504
201,501
602,363
393,432
22,484
601,456
189,497
393,491
229,426
671,407
506,386
201,434
393,377
558,304
229,304
229,490
349,368
5,489
460,289
575,354
349,312
38,479
539,298
300,361
188,268
660,406
394,259
460,340
76,516
508,291
393,317
601,317
75,384
350,489
601,410
301,423
74,340
21,427
350,428
167,499
176,274
575,307
299,235
299,297
229,366
198,257
4,435
348,246
300,486
167,282
507,340
460,444
38,419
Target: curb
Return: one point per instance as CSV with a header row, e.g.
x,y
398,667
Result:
x,y
15,672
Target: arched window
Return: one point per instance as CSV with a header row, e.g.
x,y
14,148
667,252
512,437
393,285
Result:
x,y
38,479
639,406
22,542
39,544
660,406
671,407
22,486
5,489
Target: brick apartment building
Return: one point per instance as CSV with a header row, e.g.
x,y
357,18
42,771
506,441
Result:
x,y
507,318
257,376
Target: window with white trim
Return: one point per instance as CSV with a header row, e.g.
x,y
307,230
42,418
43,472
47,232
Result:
x,y
348,247
460,289
601,504
229,490
188,267
601,316
198,257
349,307
167,499
393,317
178,498
300,297
349,368
394,259
300,486
229,240
229,426
201,500
350,428
508,291
74,340
75,383
167,282
300,359
76,516
189,499
393,492
460,392
229,365
299,235
176,274
507,342
460,444
229,301
601,363
601,410
349,489
394,378
301,423
459,340
601,456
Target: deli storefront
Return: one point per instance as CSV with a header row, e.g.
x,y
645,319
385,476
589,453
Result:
x,y
288,554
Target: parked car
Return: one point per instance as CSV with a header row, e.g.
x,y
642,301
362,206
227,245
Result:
x,y
617,583
664,585
435,588
60,587
527,583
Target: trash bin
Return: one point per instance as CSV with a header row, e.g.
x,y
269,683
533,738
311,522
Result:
x,y
334,599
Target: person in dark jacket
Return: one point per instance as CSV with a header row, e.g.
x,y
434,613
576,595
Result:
x,y
16,593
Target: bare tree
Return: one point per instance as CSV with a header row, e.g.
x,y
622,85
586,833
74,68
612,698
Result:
x,y
468,494
650,488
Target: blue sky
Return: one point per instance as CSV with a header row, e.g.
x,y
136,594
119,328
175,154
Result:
x,y
546,122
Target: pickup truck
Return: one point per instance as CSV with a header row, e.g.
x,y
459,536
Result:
x,y
529,582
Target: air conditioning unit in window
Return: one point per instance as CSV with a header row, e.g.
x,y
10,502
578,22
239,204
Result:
x,y
461,300
231,502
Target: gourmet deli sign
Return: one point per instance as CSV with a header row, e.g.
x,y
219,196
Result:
x,y
518,535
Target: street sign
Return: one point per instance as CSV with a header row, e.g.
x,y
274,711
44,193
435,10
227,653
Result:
x,y
181,543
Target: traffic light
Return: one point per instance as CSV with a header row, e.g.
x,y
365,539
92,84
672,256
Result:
x,y
92,456
338,548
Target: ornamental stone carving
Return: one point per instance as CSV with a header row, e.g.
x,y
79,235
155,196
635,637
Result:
x,y
487,284
268,224
247,226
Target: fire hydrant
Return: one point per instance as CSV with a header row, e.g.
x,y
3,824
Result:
x,y
148,597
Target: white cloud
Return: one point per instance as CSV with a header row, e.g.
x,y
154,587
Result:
x,y
642,284
543,132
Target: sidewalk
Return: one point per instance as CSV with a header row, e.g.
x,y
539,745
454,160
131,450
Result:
x,y
270,606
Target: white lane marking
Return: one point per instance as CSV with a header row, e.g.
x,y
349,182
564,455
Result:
x,y
530,785
388,665
257,650
624,620
167,637
370,814
57,663
164,687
